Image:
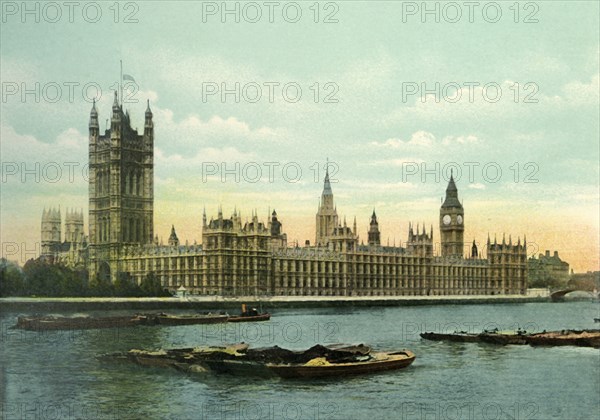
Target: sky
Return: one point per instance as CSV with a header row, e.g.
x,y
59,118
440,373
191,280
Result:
x,y
252,99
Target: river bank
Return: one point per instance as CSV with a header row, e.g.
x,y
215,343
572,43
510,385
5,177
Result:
x,y
33,304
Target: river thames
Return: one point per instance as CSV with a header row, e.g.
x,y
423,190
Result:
x,y
57,375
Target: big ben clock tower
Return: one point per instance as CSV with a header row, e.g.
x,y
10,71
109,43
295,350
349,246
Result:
x,y
452,223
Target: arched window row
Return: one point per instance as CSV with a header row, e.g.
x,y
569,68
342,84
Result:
x,y
103,181
132,182
133,230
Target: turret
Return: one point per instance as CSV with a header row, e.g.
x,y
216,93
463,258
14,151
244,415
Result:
x,y
374,234
275,225
94,118
94,127
73,226
116,108
419,243
474,253
452,222
148,123
115,122
51,231
173,239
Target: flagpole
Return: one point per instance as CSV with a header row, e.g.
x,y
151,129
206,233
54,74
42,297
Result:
x,y
121,83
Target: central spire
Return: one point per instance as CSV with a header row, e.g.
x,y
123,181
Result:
x,y
327,184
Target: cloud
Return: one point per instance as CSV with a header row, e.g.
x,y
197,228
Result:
x,y
69,146
219,156
477,186
193,134
579,93
396,162
418,139
469,139
505,100
425,140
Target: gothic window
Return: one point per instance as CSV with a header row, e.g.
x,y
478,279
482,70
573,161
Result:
x,y
99,181
106,178
129,182
125,231
130,237
137,184
133,229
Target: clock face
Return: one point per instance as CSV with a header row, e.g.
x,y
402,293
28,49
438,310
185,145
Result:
x,y
459,219
446,219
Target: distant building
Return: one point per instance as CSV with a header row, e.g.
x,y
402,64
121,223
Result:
x,y
585,281
253,258
547,270
72,251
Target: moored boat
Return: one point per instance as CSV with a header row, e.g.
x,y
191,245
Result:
x,y
47,323
249,318
315,362
377,362
174,320
456,337
250,315
581,338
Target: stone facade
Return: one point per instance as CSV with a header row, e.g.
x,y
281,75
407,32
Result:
x,y
121,190
253,258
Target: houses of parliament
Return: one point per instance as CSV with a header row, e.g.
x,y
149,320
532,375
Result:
x,y
252,258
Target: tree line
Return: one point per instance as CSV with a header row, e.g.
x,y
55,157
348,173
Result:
x,y
42,278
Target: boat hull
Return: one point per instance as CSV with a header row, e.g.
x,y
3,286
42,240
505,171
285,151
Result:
x,y
583,338
46,323
250,318
383,362
191,320
459,338
50,323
